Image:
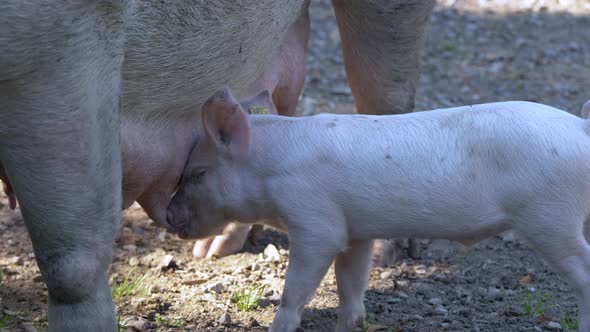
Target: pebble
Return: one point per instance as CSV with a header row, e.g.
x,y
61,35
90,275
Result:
x,y
252,322
217,288
443,324
386,275
133,261
29,327
507,236
435,301
402,295
167,260
273,295
526,280
393,300
553,326
343,91
225,319
494,293
272,253
417,317
264,303
440,310
136,324
17,260
130,247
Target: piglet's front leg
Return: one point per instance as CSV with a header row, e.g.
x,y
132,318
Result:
x,y
352,275
314,242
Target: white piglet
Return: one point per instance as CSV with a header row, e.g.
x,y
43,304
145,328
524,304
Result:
x,y
335,182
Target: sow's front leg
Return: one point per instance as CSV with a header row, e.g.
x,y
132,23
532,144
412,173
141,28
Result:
x,y
381,42
59,144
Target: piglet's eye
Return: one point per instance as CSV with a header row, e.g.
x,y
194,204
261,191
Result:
x,y
197,175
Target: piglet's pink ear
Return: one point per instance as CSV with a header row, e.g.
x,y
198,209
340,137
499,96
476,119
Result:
x,y
225,123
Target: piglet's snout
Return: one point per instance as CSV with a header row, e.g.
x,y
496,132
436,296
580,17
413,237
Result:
x,y
176,218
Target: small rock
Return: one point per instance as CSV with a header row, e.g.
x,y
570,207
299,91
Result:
x,y
526,280
273,295
417,317
252,322
537,329
272,253
494,293
507,236
443,324
264,303
440,310
492,316
393,300
154,258
386,275
402,295
225,319
162,236
133,261
167,261
343,91
136,324
130,247
553,326
17,260
29,327
435,301
217,288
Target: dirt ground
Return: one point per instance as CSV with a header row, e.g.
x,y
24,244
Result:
x,y
476,51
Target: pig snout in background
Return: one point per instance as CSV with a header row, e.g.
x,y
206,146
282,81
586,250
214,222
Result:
x,y
501,166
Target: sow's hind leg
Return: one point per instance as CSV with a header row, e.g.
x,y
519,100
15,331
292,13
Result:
x,y
381,43
561,238
59,145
